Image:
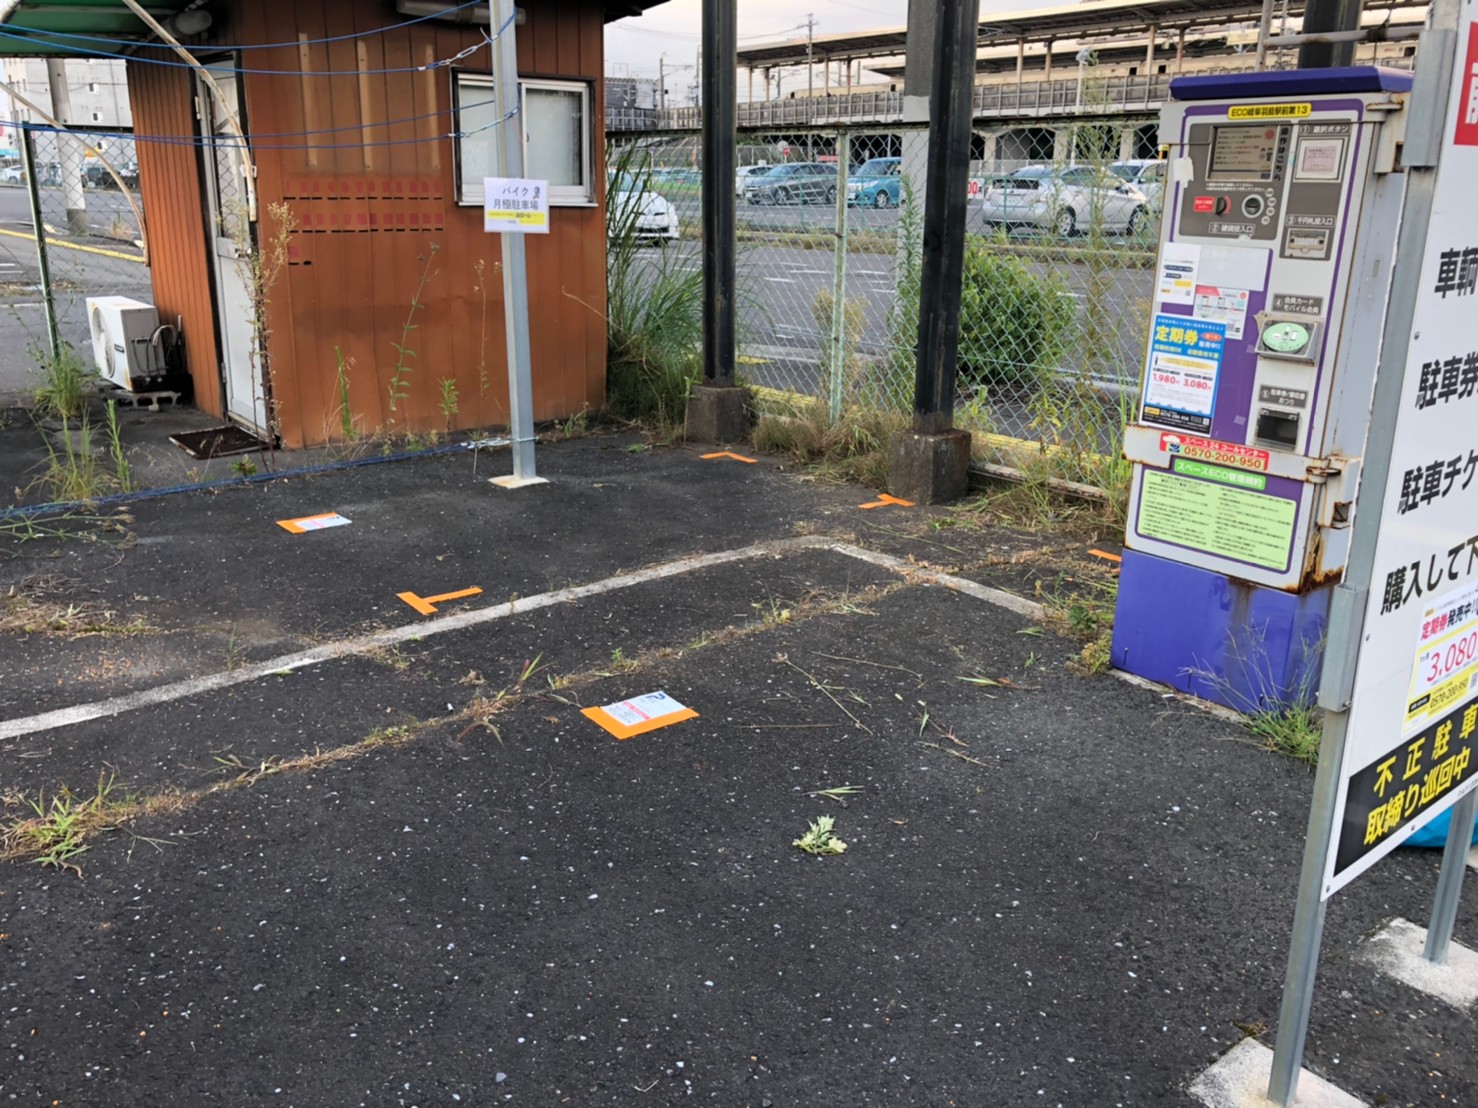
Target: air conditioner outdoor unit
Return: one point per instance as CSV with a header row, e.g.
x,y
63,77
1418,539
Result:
x,y
124,346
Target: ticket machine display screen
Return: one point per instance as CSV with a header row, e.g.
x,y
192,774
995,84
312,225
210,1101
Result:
x,y
1243,154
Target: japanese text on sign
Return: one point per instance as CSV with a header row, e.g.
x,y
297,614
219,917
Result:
x,y
1446,379
1180,382
1390,792
1420,485
1404,584
1457,271
1446,668
512,205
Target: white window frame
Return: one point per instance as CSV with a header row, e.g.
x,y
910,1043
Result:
x,y
469,193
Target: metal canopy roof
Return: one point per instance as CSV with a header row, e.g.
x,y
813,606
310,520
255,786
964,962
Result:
x,y
1067,21
113,19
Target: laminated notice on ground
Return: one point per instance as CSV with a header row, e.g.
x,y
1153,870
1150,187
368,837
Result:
x,y
313,523
639,715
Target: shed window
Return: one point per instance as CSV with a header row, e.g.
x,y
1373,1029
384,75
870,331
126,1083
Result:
x,y
556,136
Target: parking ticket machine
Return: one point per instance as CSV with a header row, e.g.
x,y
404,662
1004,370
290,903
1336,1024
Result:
x,y
1283,197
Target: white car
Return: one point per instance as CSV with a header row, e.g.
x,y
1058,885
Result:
x,y
742,172
12,175
648,214
1145,174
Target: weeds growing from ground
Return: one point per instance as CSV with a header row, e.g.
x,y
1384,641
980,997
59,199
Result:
x,y
63,389
399,387
57,834
1285,719
853,448
654,311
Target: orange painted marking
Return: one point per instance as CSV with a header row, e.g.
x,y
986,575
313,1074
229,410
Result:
x,y
1106,556
884,500
731,457
426,605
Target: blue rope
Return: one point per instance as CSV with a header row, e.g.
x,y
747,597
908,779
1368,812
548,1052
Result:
x,y
228,143
26,32
441,64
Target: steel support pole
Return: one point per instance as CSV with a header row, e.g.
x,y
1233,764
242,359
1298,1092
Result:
x,y
720,110
1450,881
1264,32
509,134
946,196
838,369
1329,15
43,260
1347,608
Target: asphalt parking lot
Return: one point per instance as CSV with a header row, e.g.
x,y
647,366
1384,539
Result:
x,y
366,855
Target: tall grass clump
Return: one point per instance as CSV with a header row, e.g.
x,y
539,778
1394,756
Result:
x,y
654,309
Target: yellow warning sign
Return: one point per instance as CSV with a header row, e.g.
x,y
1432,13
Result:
x,y
1270,111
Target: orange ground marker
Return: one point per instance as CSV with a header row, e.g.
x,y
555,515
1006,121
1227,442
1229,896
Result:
x,y
639,715
884,500
1106,556
732,457
426,605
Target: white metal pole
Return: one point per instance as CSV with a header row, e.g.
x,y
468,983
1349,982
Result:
x,y
509,153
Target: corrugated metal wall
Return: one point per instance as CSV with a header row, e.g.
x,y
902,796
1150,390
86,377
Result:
x,y
368,216
170,179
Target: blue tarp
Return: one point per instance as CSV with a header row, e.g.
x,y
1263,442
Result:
x,y
1434,834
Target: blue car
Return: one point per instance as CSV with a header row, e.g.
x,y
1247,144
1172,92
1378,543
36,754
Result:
x,y
875,183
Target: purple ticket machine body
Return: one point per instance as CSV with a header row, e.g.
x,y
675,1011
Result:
x,y
1281,209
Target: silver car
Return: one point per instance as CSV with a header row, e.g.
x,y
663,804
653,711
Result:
x,y
1065,200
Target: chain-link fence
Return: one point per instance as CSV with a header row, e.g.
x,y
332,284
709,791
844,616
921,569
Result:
x,y
1062,231
87,229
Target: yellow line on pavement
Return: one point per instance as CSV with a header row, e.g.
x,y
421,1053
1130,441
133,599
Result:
x,y
77,246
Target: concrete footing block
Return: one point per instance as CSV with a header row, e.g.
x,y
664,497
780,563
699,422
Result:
x,y
516,482
718,415
1239,1079
1396,950
929,469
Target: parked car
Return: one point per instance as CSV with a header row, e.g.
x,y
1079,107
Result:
x,y
1145,174
793,183
12,175
96,176
875,183
743,173
1065,200
651,215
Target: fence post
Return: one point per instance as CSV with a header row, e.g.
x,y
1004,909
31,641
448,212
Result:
x,y
839,280
43,262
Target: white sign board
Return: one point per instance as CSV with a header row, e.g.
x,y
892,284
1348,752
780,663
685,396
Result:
x,y
512,205
1413,724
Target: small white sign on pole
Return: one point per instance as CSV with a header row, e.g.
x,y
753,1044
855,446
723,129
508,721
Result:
x,y
513,205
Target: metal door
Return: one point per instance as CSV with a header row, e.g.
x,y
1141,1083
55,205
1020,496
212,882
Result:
x,y
229,206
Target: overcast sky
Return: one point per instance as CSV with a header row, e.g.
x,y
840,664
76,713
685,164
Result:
x,y
633,46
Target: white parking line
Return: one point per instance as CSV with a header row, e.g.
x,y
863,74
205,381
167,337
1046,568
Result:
x,y
424,629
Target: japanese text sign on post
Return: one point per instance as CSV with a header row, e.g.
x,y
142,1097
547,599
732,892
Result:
x,y
512,205
1413,718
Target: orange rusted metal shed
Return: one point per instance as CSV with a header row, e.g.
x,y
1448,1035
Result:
x,y
330,273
